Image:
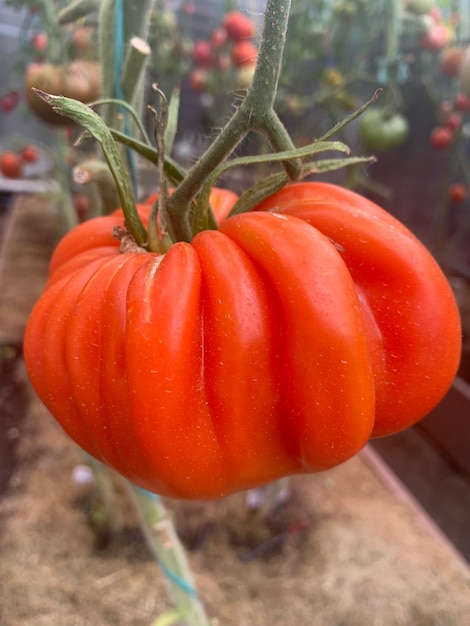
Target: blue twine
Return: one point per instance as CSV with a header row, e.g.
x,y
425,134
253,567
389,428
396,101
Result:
x,y
181,582
149,494
118,60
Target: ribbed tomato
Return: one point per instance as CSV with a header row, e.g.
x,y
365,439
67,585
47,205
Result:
x,y
278,344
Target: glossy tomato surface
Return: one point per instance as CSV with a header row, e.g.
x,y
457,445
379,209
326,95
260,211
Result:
x,y
380,132
278,344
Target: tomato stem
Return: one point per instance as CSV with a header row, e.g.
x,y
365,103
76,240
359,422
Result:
x,y
255,113
169,552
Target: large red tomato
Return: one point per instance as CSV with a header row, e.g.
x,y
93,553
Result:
x,y
278,344
79,79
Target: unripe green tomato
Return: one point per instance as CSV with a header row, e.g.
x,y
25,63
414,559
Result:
x,y
420,7
379,132
464,74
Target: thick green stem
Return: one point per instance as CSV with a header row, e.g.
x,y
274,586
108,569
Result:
x,y
77,10
108,510
53,51
255,113
138,52
133,20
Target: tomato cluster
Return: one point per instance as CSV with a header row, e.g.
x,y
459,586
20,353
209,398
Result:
x,y
12,162
277,344
229,47
451,120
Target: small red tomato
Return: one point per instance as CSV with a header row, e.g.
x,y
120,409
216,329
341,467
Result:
x,y
218,38
198,80
437,37
458,193
451,59
9,101
441,136
39,41
202,54
446,107
453,121
244,53
10,165
462,102
238,26
29,154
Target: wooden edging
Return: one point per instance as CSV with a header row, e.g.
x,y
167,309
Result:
x,y
401,492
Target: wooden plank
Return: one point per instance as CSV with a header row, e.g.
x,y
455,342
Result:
x,y
449,424
31,233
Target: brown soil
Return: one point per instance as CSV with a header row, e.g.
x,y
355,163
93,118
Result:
x,y
346,549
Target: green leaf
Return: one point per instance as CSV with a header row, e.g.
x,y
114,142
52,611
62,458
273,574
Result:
x,y
314,148
347,120
259,192
329,165
130,109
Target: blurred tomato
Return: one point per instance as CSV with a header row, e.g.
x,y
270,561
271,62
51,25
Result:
x,y
238,26
458,193
29,154
380,132
244,53
10,165
441,137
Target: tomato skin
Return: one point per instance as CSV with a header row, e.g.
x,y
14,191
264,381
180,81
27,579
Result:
x,y
9,101
202,54
40,41
80,79
451,59
238,26
275,345
458,193
380,133
387,262
29,154
244,53
462,102
10,164
441,137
